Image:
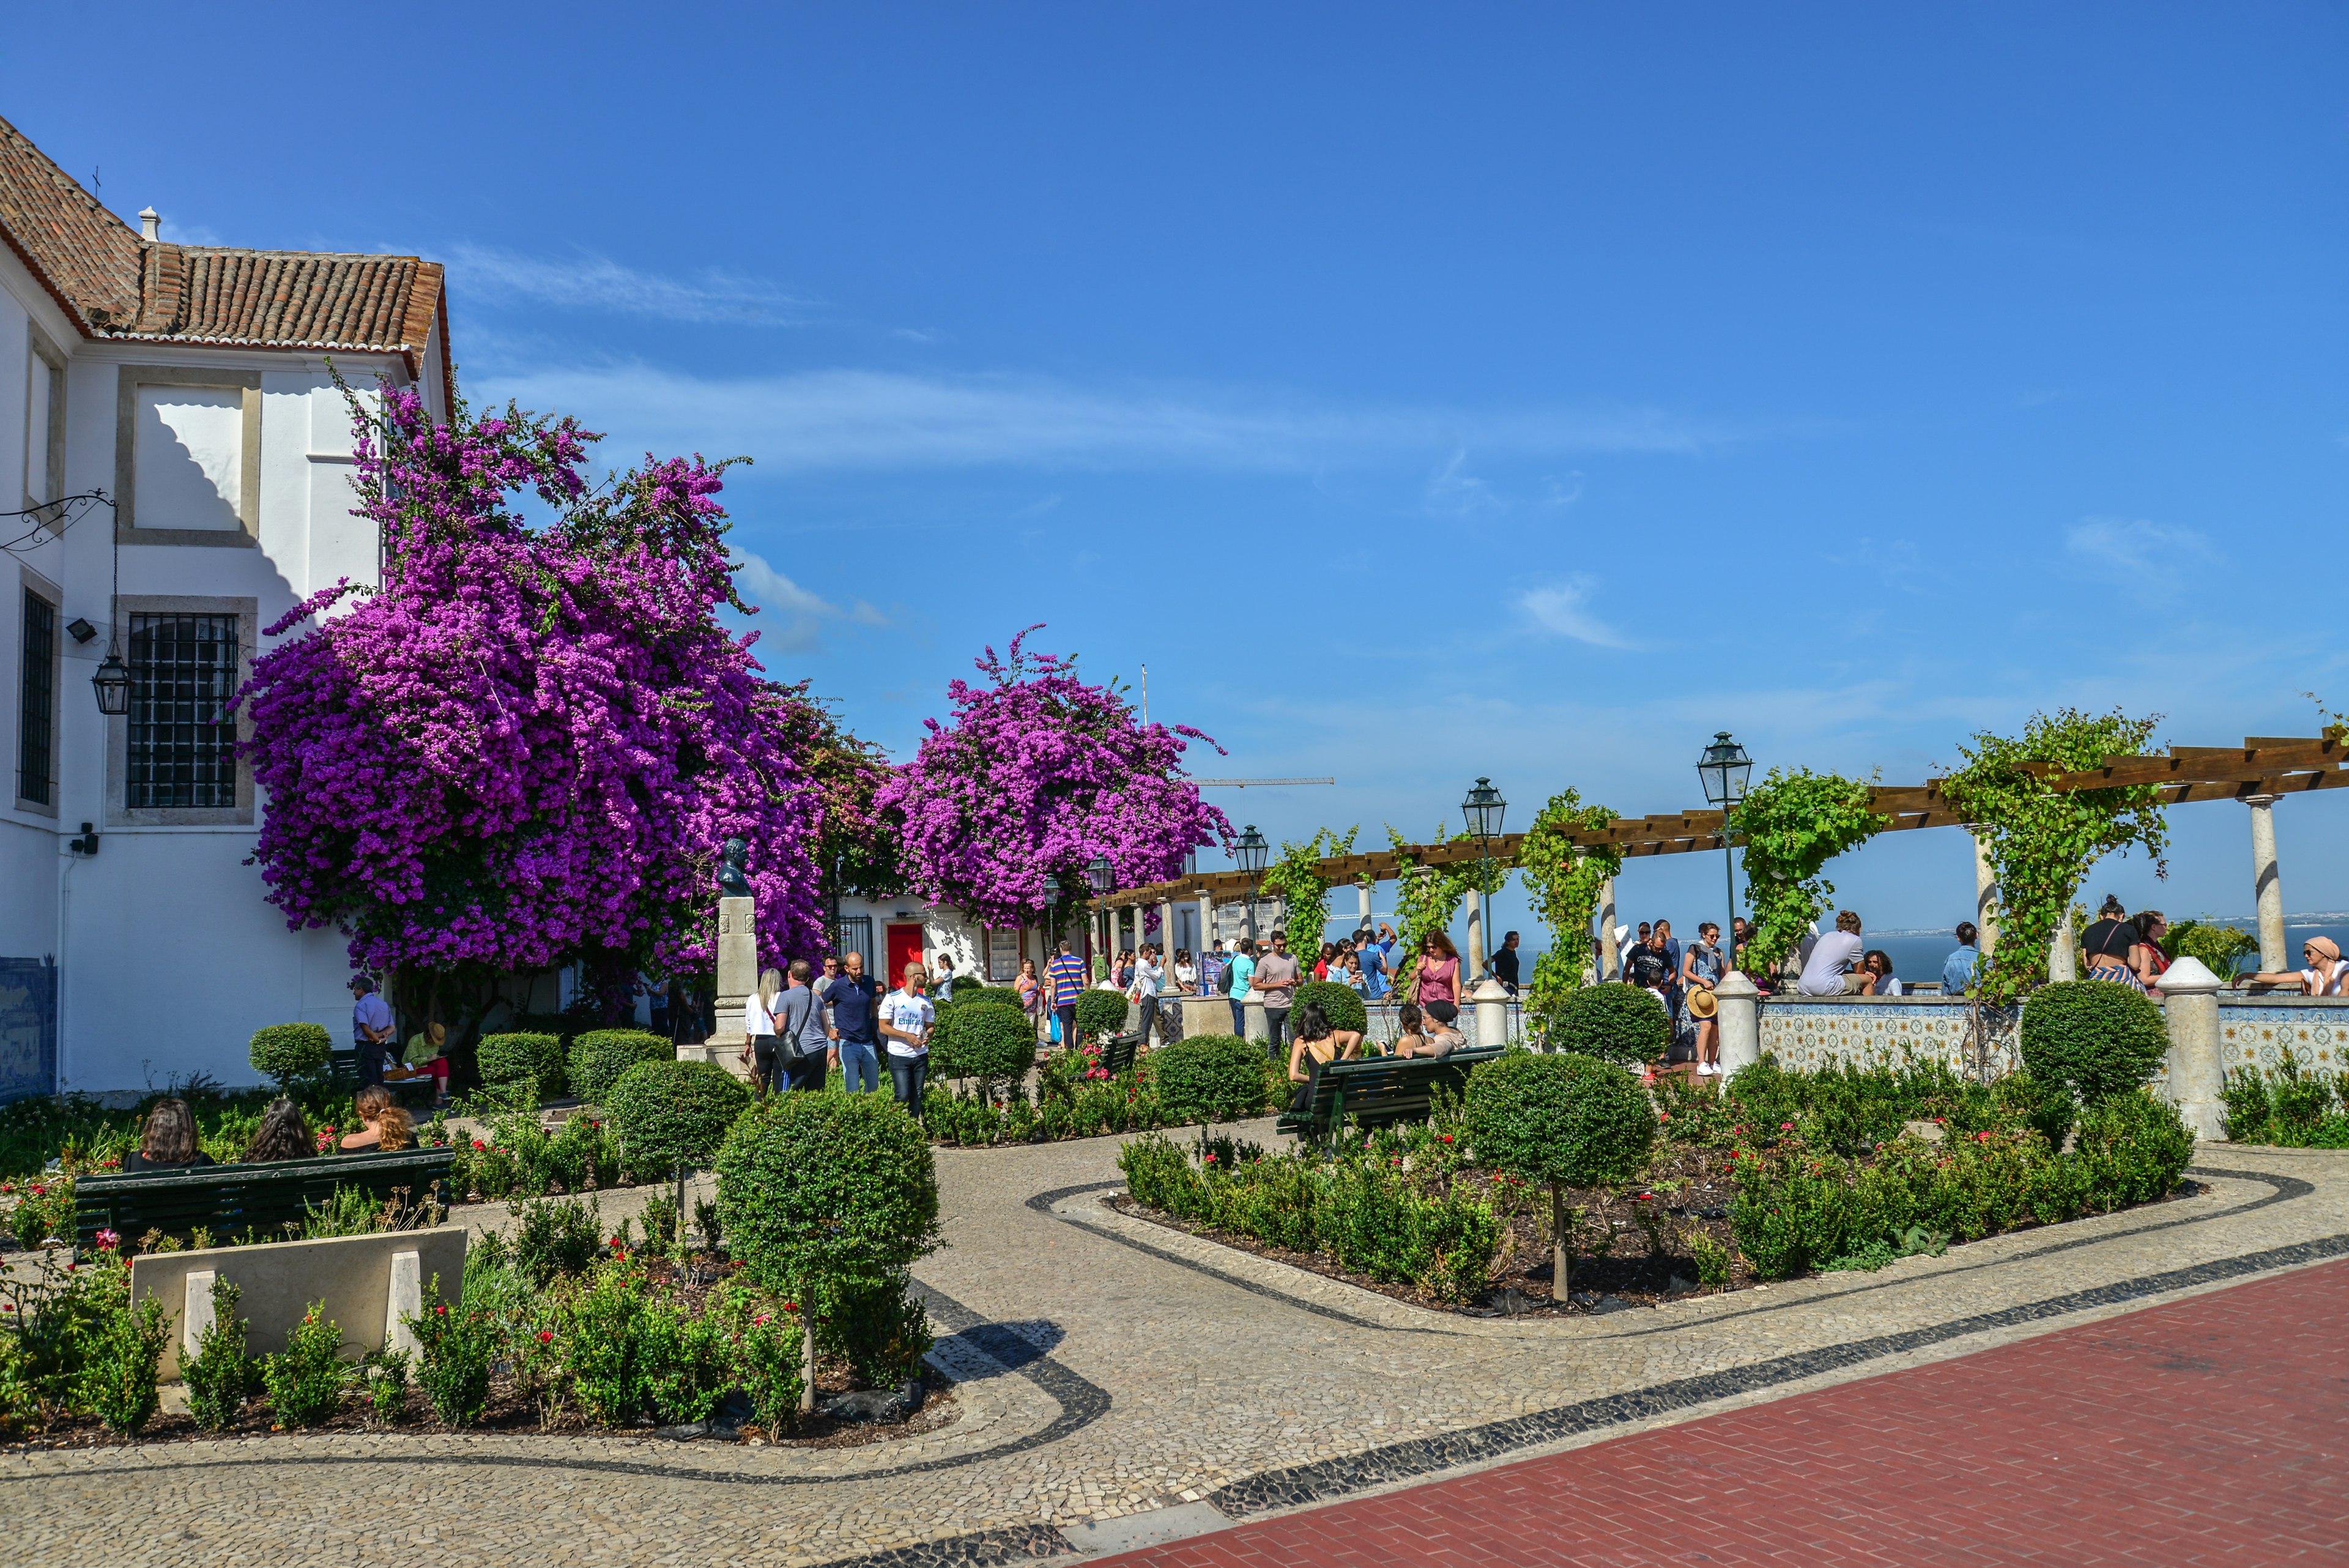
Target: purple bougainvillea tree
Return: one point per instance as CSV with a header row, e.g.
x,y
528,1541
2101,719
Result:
x,y
1035,774
526,747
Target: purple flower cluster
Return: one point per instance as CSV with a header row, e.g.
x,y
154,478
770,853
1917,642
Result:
x,y
527,746
1037,774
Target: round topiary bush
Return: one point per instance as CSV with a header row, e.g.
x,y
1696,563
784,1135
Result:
x,y
2094,1037
817,1191
1340,1004
283,1052
1614,1022
675,1113
982,1039
597,1058
1568,1119
1099,1012
510,1058
1209,1078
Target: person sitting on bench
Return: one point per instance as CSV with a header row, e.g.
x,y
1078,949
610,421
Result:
x,y
1428,1033
426,1058
170,1141
284,1135
1313,1036
383,1125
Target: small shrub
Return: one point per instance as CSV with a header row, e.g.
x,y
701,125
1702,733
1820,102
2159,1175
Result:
x,y
1100,1011
290,1054
305,1380
827,1190
769,1361
1712,1261
220,1374
674,1113
1568,1119
688,1362
388,1386
1614,1022
1209,1078
1340,1004
597,1058
879,1328
601,1339
2220,947
2134,1147
660,1221
555,1237
537,1059
2092,1036
988,1039
122,1358
454,1351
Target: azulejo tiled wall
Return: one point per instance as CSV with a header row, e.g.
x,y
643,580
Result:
x,y
1812,1034
2258,1034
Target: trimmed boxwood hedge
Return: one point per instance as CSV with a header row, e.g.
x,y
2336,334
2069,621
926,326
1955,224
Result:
x,y
1211,1078
2094,1037
1614,1021
510,1058
675,1113
284,1052
816,1192
1565,1118
597,1058
1340,1004
982,1039
1100,1011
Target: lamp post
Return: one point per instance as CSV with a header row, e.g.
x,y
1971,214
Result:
x,y
1250,853
1103,877
1725,769
1074,890
1482,810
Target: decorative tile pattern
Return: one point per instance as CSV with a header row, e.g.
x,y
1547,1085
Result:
x,y
1811,1034
2314,1030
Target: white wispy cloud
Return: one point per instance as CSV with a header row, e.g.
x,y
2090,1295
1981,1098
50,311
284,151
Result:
x,y
2157,561
1562,607
792,618
589,282
846,418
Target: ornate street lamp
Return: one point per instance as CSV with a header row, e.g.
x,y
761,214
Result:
x,y
1482,810
1725,770
112,684
1250,851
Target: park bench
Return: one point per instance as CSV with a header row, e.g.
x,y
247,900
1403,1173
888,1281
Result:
x,y
231,1199
1118,1052
343,1078
1375,1091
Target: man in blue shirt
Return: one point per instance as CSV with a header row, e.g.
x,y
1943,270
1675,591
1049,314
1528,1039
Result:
x,y
371,1028
855,1047
1238,980
1958,969
1374,966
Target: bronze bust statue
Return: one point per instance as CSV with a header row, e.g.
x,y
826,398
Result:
x,y
732,883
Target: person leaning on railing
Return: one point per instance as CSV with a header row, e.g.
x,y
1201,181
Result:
x,y
2326,974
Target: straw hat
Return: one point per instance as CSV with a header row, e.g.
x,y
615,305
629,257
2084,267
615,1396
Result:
x,y
1700,1003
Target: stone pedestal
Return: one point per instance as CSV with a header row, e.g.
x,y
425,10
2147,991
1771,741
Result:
x,y
2197,1075
2267,886
1739,1022
1491,999
737,977
1985,901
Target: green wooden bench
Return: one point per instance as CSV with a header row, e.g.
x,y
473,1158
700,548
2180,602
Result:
x,y
1118,1052
230,1200
343,1078
1375,1091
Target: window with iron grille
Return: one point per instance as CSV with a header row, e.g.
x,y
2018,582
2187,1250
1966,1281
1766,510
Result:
x,y
183,750
853,934
36,699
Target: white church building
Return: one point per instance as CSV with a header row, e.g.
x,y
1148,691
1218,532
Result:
x,y
182,393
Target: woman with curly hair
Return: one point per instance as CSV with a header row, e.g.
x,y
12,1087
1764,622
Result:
x,y
284,1135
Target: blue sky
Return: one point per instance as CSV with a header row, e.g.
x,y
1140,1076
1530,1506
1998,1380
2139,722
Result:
x,y
1421,392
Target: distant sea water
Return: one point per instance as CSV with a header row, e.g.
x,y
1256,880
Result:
x,y
1919,955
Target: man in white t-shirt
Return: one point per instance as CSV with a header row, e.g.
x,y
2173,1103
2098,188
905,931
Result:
x,y
906,1019
1833,967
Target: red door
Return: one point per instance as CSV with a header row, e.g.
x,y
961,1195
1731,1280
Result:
x,y
905,947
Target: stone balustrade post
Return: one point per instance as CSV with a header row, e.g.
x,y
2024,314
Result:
x,y
1491,999
2197,1073
1610,955
1739,1022
1985,899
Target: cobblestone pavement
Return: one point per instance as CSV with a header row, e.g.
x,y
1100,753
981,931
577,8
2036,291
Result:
x,y
1123,1381
2209,1430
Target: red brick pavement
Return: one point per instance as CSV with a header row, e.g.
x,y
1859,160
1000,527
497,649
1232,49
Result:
x,y
2212,1430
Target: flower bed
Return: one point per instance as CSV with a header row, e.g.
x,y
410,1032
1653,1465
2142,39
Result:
x,y
1778,1174
2287,1106
1075,1097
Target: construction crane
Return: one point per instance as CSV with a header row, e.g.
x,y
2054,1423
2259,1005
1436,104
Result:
x,y
1244,784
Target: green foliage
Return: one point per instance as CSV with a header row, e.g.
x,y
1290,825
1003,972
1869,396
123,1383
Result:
x,y
1210,1078
771,1360
879,1326
601,1331
220,1374
1099,1012
2133,1146
1849,1109
2041,842
1791,825
989,1040
554,1237
1295,878
520,1159
288,1055
660,1220
675,1113
386,1387
306,1379
828,1192
1565,1118
2286,1106
688,1361
454,1351
1427,897
122,1358
522,1058
2094,1037
1615,1023
2221,948
1562,883
597,1058
1712,1260
1339,1004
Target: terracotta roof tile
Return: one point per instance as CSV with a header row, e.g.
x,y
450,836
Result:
x,y
88,257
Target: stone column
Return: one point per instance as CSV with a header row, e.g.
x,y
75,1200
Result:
x,y
1610,958
737,977
1986,898
2197,1073
1362,896
1167,943
2064,953
1739,1022
1491,999
1206,925
2267,886
1474,958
